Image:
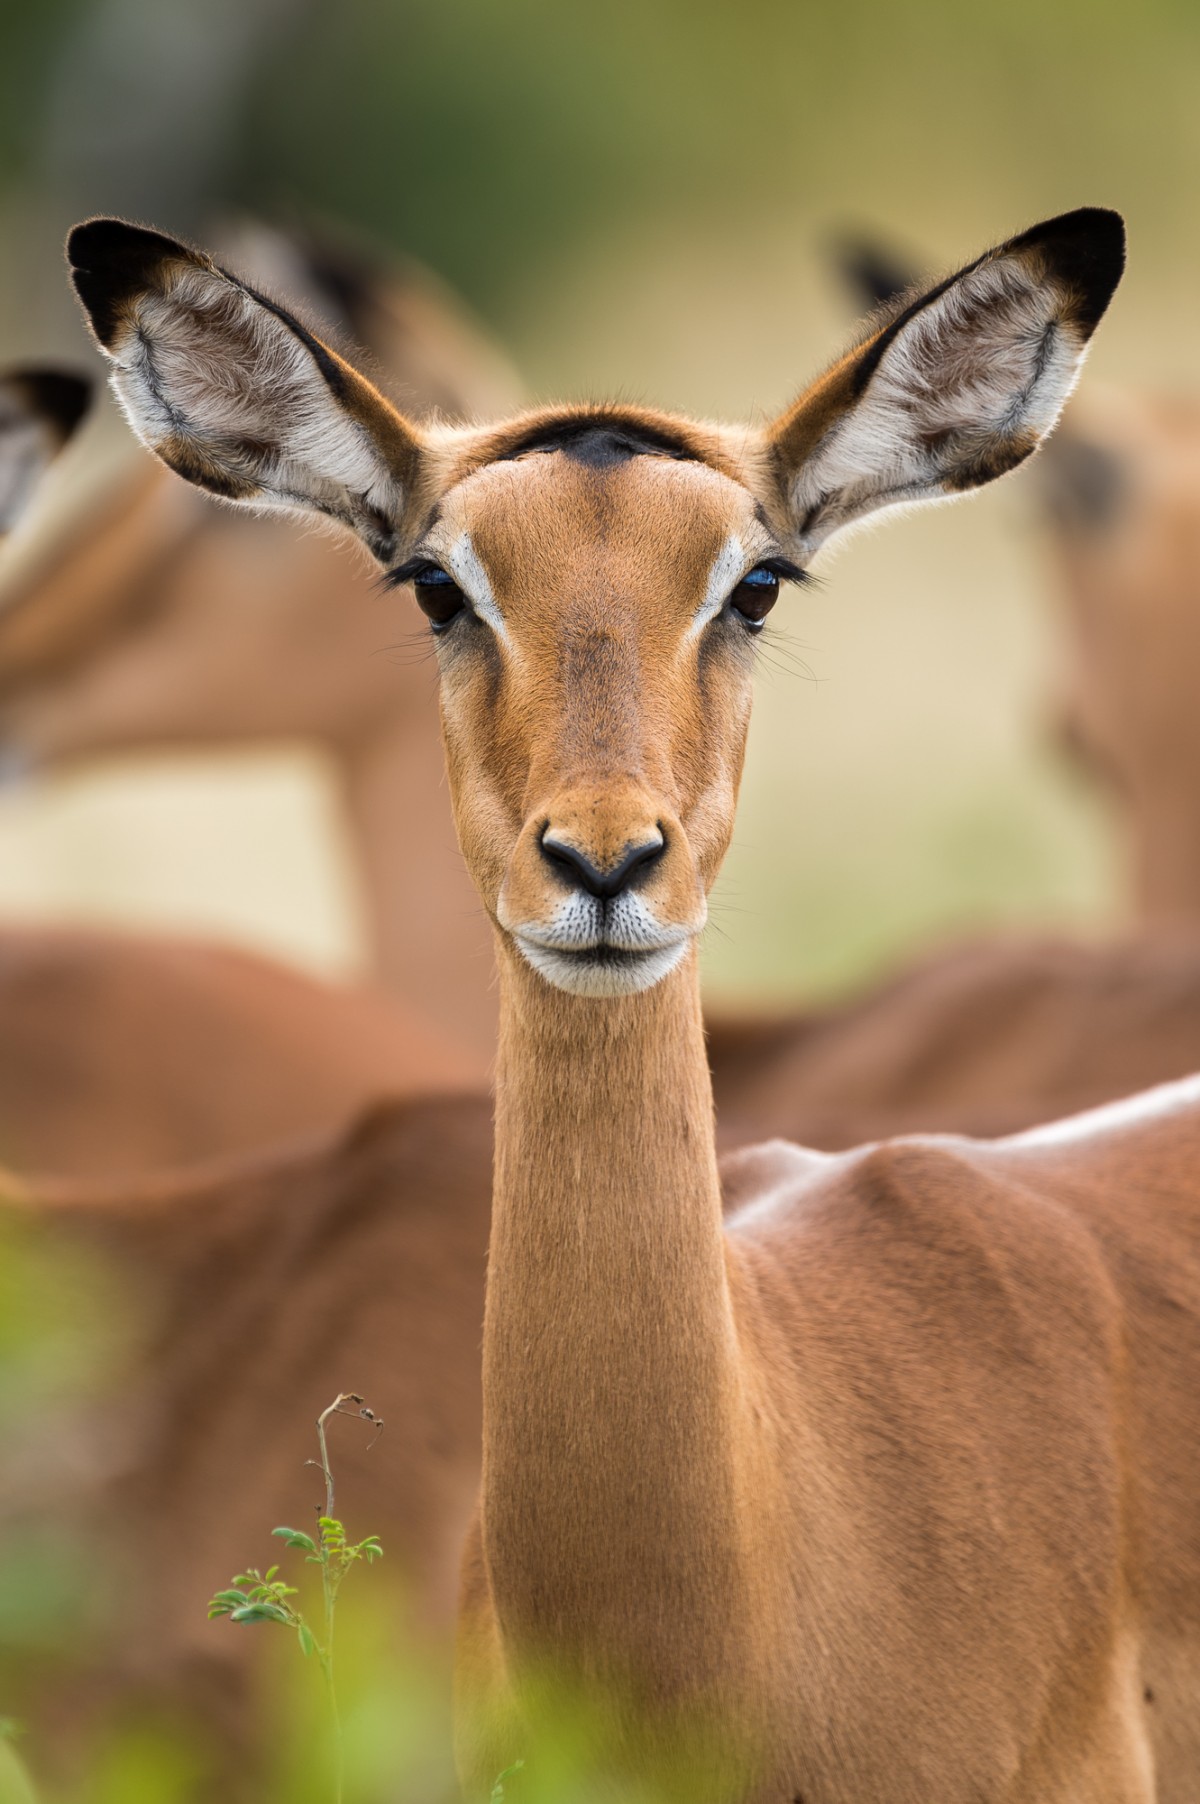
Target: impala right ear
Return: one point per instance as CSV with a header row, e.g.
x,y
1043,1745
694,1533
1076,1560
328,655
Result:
x,y
39,410
960,385
234,393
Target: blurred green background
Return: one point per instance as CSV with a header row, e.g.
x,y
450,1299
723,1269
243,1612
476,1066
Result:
x,y
639,198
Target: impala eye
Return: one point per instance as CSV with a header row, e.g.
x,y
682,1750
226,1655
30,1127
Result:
x,y
438,596
755,596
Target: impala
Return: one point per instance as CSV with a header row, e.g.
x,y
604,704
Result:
x,y
1120,495
1123,490
167,621
887,1488
122,1053
148,619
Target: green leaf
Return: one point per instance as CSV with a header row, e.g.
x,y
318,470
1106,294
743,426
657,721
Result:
x,y
227,1601
497,1795
295,1537
307,1639
260,1612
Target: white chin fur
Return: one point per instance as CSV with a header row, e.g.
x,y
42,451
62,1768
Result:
x,y
624,975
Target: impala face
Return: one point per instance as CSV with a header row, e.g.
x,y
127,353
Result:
x,y
595,604
594,578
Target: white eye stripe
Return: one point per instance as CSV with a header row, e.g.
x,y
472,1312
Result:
x,y
464,566
462,562
729,567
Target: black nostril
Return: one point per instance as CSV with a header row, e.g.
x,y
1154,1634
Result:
x,y
602,884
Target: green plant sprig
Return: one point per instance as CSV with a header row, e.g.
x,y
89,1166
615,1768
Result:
x,y
498,1792
255,1596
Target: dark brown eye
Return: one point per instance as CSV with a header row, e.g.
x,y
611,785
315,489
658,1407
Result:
x,y
439,597
755,596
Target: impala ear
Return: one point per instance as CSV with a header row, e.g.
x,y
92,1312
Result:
x,y
872,274
960,385
39,410
236,395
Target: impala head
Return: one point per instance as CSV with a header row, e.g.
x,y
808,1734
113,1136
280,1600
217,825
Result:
x,y
595,578
147,618
39,411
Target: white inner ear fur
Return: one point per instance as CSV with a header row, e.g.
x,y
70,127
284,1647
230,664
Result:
x,y
987,362
27,448
208,364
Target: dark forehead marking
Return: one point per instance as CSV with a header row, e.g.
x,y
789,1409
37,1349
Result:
x,y
598,442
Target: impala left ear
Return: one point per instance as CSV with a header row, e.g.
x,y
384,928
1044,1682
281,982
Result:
x,y
958,387
39,410
235,393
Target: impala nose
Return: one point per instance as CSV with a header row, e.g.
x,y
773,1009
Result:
x,y
604,885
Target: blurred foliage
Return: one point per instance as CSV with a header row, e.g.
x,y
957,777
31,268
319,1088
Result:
x,y
65,1328
482,136
487,137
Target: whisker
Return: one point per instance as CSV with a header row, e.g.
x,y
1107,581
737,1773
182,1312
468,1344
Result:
x,y
415,648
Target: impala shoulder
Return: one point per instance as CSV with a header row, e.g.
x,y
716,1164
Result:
x,y
775,1169
762,1175
889,1187
912,1203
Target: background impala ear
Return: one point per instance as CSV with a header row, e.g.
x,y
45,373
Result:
x,y
39,411
234,393
871,272
960,385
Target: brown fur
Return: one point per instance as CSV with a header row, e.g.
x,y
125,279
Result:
x,y
717,1523
121,1055
1121,480
890,1485
989,1038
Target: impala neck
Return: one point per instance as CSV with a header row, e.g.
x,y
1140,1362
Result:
x,y
430,935
613,1411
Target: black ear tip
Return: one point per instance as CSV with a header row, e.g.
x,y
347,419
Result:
x,y
60,396
104,240
87,241
1098,230
1086,250
111,260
